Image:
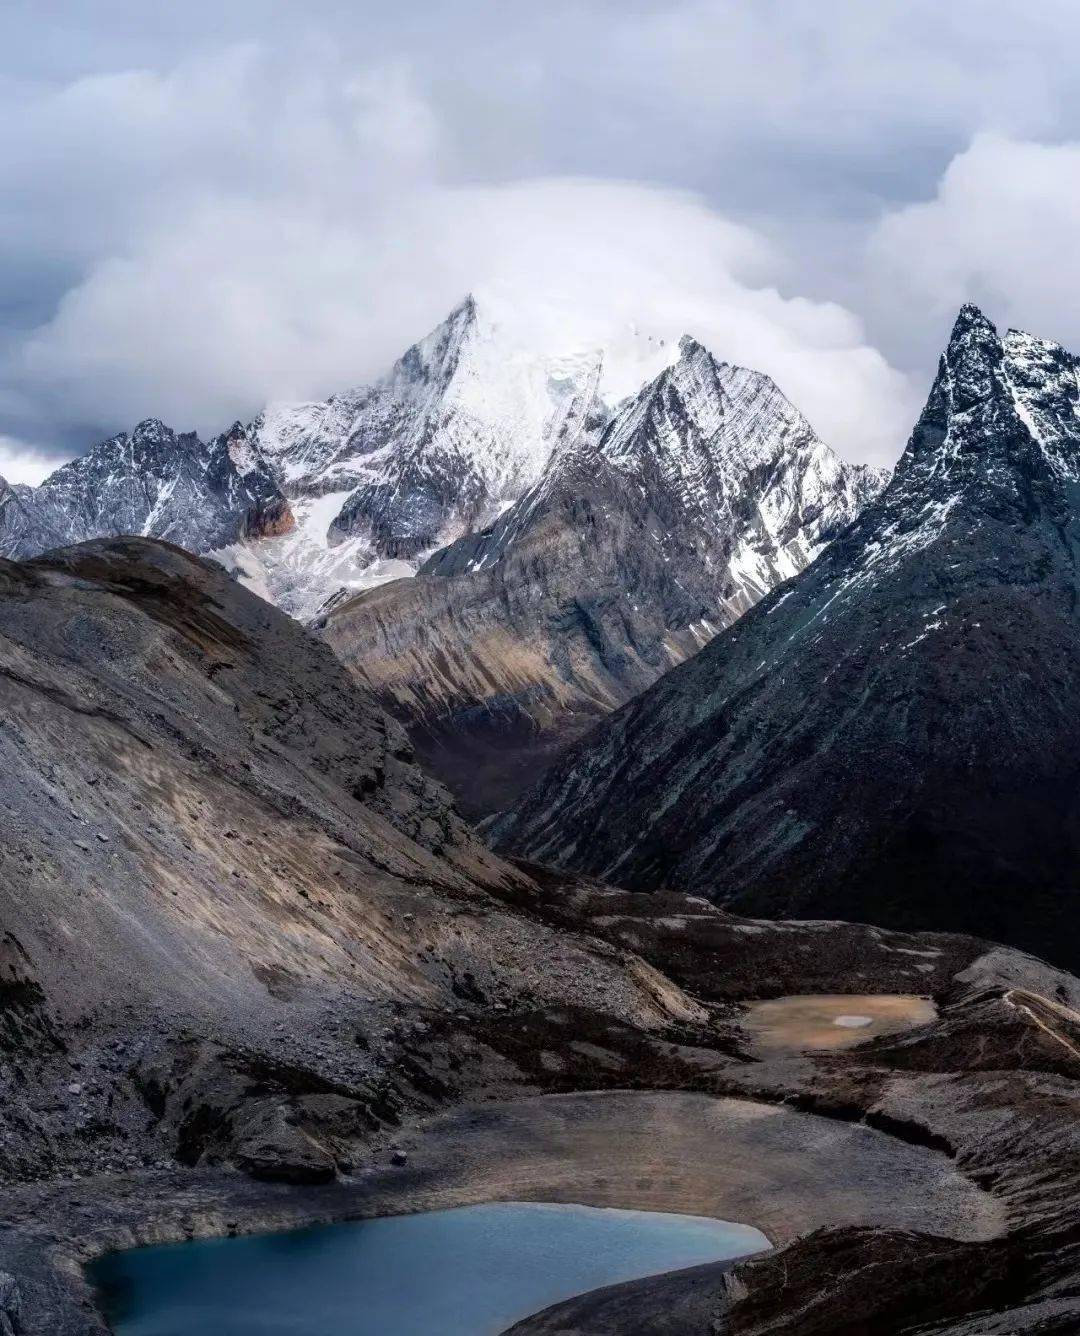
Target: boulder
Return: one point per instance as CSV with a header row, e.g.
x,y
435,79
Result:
x,y
276,1150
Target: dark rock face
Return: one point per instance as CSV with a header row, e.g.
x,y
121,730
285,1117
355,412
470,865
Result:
x,y
627,556
892,736
10,1305
782,1294
150,481
25,1024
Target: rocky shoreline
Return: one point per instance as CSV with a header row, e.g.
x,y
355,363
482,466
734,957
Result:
x,y
628,1150
780,1139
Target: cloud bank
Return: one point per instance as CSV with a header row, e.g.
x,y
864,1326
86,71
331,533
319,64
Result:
x,y
20,462
205,208
1003,230
328,242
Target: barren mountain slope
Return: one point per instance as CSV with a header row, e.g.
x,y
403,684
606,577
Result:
x,y
209,829
242,930
893,735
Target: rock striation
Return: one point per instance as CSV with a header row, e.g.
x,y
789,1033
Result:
x,y
631,551
153,482
891,735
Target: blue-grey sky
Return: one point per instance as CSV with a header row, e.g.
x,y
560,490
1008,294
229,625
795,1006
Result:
x,y
206,206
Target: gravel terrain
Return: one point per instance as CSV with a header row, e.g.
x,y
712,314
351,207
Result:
x,y
255,971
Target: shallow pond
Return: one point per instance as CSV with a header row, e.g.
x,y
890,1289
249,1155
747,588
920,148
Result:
x,y
472,1271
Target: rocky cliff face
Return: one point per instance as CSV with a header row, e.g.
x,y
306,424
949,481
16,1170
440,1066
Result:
x,y
153,482
629,554
892,735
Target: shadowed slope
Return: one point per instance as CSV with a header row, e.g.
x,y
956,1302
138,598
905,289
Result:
x,y
894,734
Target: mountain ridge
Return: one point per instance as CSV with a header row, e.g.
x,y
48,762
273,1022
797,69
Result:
x,y
360,488
151,481
890,735
625,557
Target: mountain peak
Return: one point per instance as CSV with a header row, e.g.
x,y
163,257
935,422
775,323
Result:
x,y
938,631
435,358
461,321
150,427
969,413
973,349
972,332
465,310
689,348
995,439
970,317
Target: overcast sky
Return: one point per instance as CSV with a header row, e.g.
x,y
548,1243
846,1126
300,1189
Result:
x,y
206,206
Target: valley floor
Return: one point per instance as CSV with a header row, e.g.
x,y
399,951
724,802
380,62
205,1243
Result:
x,y
786,1172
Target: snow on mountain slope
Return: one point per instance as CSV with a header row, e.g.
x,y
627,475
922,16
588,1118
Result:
x,y
153,482
301,569
380,477
317,500
740,462
722,457
316,497
629,554
462,425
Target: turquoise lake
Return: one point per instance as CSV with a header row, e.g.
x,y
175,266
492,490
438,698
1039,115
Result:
x,y
471,1271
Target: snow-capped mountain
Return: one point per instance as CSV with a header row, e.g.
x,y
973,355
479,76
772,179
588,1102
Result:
x,y
316,498
723,459
892,736
628,554
380,477
150,481
312,500
461,425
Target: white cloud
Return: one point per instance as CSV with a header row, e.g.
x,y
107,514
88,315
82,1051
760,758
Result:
x,y
192,220
20,462
1001,230
319,239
